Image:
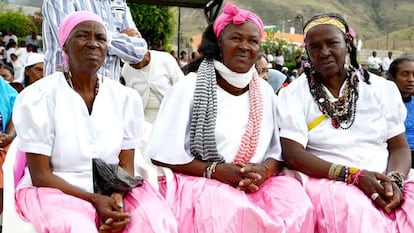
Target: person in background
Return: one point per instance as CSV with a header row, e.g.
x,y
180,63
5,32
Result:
x,y
269,57
65,120
17,64
7,97
10,36
33,69
183,60
152,78
32,40
401,71
261,67
279,60
374,63
125,42
345,135
7,73
223,147
386,63
194,56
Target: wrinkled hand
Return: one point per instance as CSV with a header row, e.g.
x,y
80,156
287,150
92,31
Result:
x,y
132,32
112,215
390,197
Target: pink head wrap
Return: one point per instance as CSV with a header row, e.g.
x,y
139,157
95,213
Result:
x,y
233,15
70,22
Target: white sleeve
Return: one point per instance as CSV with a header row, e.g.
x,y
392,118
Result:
x,y
33,120
133,120
292,121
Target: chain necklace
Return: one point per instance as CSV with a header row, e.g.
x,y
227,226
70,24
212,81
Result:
x,y
68,77
343,110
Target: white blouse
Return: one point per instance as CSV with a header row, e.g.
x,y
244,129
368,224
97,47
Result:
x,y
380,115
53,120
170,139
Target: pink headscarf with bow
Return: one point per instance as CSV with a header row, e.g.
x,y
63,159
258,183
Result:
x,y
233,15
70,22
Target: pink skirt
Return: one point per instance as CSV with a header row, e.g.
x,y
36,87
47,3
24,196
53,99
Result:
x,y
51,210
205,205
343,208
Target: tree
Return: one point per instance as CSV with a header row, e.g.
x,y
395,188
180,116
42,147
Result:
x,y
21,24
155,23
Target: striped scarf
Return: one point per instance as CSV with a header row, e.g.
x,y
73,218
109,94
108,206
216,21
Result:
x,y
202,139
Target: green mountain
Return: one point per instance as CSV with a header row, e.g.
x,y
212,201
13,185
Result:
x,y
372,20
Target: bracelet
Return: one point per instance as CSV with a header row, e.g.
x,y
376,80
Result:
x,y
210,170
268,171
398,179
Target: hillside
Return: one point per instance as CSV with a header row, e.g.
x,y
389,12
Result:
x,y
371,19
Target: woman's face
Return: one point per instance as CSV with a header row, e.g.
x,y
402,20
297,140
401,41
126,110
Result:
x,y
34,72
239,46
327,49
5,73
405,78
86,45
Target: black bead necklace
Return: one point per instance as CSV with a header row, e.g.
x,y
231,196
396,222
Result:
x,y
342,112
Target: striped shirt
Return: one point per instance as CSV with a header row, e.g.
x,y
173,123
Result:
x,y
118,17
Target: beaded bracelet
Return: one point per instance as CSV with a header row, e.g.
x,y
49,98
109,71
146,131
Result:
x,y
398,179
268,171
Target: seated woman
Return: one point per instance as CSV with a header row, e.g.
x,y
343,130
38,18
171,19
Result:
x,y
217,130
344,128
66,119
401,71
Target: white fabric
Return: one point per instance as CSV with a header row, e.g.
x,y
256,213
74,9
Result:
x,y
374,62
386,63
52,119
171,129
380,115
157,77
280,60
240,80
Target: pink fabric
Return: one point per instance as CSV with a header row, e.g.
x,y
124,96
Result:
x,y
343,208
233,15
250,138
19,166
205,205
70,22
50,210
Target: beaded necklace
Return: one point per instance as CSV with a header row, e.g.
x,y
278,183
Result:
x,y
341,111
68,77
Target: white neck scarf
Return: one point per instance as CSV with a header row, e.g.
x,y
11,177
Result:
x,y
240,80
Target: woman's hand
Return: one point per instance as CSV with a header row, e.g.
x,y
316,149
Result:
x,y
5,139
113,216
228,173
388,195
254,175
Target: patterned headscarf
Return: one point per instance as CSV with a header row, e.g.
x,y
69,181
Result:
x,y
233,15
324,21
70,22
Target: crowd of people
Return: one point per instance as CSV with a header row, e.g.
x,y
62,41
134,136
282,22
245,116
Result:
x,y
249,146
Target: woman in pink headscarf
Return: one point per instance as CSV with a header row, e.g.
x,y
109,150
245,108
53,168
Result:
x,y
62,123
223,146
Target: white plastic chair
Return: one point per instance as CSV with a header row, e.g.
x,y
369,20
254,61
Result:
x,y
12,222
